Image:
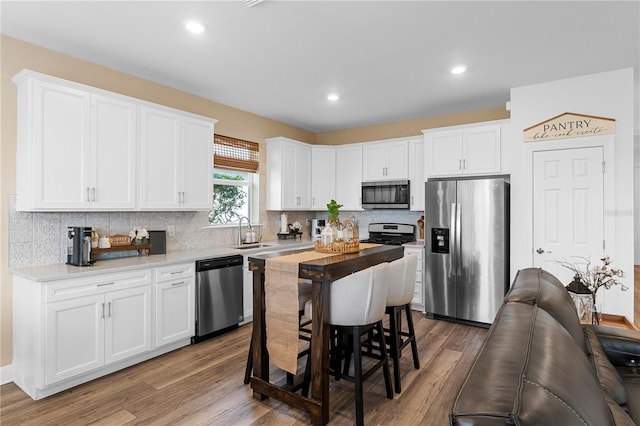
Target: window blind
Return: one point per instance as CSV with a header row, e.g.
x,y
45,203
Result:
x,y
235,154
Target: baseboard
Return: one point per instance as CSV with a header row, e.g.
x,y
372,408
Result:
x,y
6,374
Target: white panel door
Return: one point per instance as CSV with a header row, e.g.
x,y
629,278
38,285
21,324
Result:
x,y
444,153
160,158
323,176
349,176
175,310
61,135
74,342
197,164
128,323
568,208
113,153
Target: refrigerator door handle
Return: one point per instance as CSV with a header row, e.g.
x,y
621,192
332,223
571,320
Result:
x,y
458,240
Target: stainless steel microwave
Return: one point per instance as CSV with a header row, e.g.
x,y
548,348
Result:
x,y
385,194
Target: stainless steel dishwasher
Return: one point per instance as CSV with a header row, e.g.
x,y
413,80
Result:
x,y
218,296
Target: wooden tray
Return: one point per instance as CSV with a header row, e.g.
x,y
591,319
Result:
x,y
140,248
338,247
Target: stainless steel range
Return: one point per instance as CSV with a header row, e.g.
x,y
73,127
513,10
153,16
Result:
x,y
391,233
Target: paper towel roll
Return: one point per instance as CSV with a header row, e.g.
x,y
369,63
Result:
x,y
284,225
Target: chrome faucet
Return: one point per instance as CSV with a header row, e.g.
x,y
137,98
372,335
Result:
x,y
240,228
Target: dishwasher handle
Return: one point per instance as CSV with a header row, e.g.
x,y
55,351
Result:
x,y
218,263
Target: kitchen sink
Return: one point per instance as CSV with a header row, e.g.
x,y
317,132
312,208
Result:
x,y
253,246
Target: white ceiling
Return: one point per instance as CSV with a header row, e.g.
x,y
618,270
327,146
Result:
x,y
388,60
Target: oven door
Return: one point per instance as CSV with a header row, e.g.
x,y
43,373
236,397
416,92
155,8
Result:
x,y
385,195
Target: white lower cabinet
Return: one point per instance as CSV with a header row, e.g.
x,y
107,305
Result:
x,y
418,296
70,331
87,332
174,303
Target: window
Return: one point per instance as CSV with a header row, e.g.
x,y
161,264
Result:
x,y
235,180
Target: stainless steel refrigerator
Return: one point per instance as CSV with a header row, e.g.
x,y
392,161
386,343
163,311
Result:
x,y
466,247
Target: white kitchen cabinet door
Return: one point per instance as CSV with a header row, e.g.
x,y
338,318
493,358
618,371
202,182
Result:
x,y
323,176
176,160
374,161
160,159
444,153
288,174
482,150
416,174
175,310
464,150
53,149
385,160
197,164
397,160
349,177
127,323
113,154
74,337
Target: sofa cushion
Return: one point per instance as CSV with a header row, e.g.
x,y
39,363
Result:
x,y
607,374
530,371
536,286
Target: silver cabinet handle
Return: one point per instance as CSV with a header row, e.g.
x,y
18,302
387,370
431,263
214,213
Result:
x,y
93,194
176,272
460,164
105,284
109,309
178,283
103,311
88,194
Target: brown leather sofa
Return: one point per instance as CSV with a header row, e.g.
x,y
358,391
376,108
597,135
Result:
x,y
540,366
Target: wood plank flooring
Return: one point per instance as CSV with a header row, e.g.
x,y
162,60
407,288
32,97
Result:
x,y
202,385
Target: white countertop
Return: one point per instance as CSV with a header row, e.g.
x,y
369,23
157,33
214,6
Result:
x,y
59,271
416,244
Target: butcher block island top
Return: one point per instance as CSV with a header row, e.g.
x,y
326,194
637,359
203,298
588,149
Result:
x,y
321,270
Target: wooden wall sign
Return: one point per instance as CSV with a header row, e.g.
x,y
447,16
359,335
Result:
x,y
569,125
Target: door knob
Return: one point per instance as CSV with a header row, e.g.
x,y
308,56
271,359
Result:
x,y
540,251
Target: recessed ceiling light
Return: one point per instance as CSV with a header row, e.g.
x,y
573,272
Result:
x,y
195,27
333,97
459,69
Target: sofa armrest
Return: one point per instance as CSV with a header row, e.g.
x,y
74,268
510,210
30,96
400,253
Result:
x,y
621,345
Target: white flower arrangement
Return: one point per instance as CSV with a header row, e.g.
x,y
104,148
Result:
x,y
139,234
598,276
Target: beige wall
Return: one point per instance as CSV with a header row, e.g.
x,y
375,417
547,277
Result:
x,y
16,55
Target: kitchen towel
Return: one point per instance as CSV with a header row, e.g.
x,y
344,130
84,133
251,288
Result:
x,y
281,305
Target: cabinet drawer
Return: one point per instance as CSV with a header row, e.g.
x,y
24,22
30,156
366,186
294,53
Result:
x,y
172,272
77,287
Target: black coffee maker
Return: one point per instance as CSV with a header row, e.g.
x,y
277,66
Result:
x,y
79,246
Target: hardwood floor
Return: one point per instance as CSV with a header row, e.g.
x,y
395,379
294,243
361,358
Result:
x,y
202,385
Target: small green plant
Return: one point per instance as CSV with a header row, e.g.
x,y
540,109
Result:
x,y
333,208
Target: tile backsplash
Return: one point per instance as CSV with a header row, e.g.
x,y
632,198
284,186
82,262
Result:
x,y
41,238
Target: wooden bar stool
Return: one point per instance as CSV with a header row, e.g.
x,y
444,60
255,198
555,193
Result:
x,y
357,306
399,296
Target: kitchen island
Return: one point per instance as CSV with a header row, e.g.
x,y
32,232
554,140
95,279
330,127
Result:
x,y
322,272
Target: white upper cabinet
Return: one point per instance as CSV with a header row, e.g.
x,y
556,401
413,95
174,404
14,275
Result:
x,y
113,153
323,176
464,150
78,145
288,174
75,148
385,160
349,176
176,160
416,174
